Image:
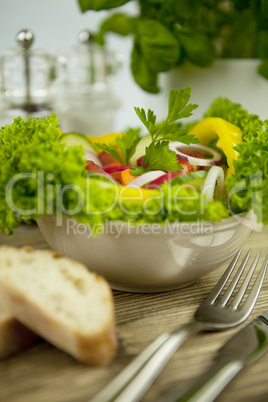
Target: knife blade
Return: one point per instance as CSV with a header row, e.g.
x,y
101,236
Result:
x,y
242,349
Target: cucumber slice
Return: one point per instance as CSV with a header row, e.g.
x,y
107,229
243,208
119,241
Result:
x,y
71,139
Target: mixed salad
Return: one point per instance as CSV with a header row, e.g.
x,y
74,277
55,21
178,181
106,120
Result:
x,y
173,172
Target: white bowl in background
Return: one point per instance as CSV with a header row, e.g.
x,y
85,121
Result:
x,y
149,257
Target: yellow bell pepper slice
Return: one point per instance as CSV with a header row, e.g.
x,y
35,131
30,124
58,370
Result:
x,y
137,194
229,136
108,139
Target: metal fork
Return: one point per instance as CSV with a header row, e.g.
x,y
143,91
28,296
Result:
x,y
212,314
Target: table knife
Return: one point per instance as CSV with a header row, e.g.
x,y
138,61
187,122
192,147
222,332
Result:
x,y
242,349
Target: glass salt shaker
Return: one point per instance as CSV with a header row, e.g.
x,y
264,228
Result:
x,y
27,80
86,100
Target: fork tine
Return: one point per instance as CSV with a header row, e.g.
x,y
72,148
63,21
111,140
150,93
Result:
x,y
235,280
254,293
224,278
240,294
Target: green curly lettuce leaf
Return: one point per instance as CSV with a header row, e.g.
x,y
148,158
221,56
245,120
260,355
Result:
x,y
185,204
235,114
38,176
33,167
248,186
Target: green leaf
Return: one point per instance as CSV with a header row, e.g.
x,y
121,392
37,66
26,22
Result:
x,y
137,170
197,46
158,156
142,73
175,132
262,44
241,40
264,6
98,5
187,111
142,116
125,146
188,139
31,153
128,143
158,46
251,162
149,121
111,150
177,108
182,137
185,9
120,24
151,117
168,130
177,101
235,114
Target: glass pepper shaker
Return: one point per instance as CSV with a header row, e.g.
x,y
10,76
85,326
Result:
x,y
86,100
27,80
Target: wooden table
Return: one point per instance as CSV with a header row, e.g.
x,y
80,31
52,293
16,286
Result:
x,y
43,373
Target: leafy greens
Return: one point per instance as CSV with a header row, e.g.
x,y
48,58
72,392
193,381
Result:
x,y
157,154
125,146
248,186
166,33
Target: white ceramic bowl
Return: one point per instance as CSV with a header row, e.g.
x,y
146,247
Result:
x,y
149,257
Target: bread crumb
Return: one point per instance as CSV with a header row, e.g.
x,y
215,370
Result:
x,y
56,255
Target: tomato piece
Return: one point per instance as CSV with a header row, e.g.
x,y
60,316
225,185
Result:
x,y
93,167
186,165
114,169
195,154
157,182
107,159
116,176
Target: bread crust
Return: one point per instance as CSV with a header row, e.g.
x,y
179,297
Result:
x,y
94,348
14,337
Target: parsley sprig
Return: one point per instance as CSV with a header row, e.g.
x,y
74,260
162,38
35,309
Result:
x,y
125,146
157,155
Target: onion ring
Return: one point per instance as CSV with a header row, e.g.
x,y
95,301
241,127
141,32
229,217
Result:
x,y
146,178
90,156
215,177
216,156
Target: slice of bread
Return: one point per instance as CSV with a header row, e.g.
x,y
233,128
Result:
x,y
60,300
14,337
